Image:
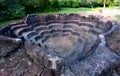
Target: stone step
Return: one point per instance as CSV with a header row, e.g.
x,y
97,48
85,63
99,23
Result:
x,y
57,34
43,33
71,31
38,37
18,26
77,22
35,25
25,34
41,28
17,23
54,21
55,30
33,33
25,30
56,25
16,32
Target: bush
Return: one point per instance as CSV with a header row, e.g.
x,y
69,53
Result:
x,y
55,4
14,12
117,2
61,3
84,3
32,6
1,16
69,3
76,3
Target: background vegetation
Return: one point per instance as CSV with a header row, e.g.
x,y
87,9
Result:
x,y
14,9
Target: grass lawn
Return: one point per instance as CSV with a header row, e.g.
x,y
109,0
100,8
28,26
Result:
x,y
118,17
67,11
76,10
73,10
6,22
115,12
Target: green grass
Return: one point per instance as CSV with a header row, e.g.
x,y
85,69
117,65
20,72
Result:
x,y
107,8
69,10
118,17
73,10
76,10
6,22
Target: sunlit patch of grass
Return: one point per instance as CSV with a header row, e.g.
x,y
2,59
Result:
x,y
118,17
6,22
69,10
74,10
107,8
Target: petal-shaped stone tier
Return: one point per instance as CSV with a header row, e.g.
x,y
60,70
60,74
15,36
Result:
x,y
64,40
59,35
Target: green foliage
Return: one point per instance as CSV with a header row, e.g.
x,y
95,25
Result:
x,y
3,4
12,9
32,6
118,17
117,2
32,3
13,12
1,16
75,3
84,3
107,2
47,6
69,3
62,3
6,22
55,4
90,3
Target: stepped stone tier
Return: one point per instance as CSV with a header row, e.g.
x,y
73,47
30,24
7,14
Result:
x,y
58,45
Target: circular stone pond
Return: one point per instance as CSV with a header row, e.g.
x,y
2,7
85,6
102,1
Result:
x,y
58,45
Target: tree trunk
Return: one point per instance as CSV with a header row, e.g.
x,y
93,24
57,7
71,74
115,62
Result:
x,y
104,3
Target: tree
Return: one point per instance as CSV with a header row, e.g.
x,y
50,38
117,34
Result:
x,y
103,2
117,2
90,2
106,2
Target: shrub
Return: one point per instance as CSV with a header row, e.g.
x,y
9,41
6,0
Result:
x,y
1,16
14,12
55,4
76,3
